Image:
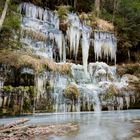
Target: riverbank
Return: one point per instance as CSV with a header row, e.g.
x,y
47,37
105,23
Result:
x,y
19,130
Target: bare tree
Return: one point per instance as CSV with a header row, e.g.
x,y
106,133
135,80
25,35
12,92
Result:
x,y
4,13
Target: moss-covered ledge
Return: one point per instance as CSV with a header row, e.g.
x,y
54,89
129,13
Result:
x,y
19,59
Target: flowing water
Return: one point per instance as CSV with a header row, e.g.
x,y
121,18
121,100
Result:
x,y
110,125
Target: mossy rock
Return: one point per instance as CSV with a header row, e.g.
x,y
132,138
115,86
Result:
x,y
72,92
111,92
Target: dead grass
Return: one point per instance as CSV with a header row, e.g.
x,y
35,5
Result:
x,y
104,25
34,34
19,59
72,92
64,68
96,23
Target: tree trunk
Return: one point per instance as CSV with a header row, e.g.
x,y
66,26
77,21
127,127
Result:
x,y
115,9
75,3
97,7
4,13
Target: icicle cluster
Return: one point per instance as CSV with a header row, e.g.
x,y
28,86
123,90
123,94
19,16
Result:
x,y
35,12
74,33
39,23
105,45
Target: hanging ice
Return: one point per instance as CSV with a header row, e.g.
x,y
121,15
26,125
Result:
x,y
60,42
86,30
105,45
37,26
35,12
73,33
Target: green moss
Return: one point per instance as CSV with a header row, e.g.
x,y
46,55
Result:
x,y
10,33
108,96
33,91
27,105
8,88
63,11
16,99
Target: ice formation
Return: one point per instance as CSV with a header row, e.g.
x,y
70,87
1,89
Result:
x,y
105,45
86,30
74,33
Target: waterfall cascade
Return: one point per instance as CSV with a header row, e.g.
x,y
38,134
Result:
x,y
97,83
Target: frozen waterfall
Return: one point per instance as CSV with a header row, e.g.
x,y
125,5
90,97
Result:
x,y
42,35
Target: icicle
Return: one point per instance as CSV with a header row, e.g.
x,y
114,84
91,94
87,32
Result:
x,y
85,45
64,50
56,21
120,103
34,12
40,82
127,98
45,15
58,39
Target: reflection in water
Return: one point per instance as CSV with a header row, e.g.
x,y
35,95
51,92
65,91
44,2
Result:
x,y
115,125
